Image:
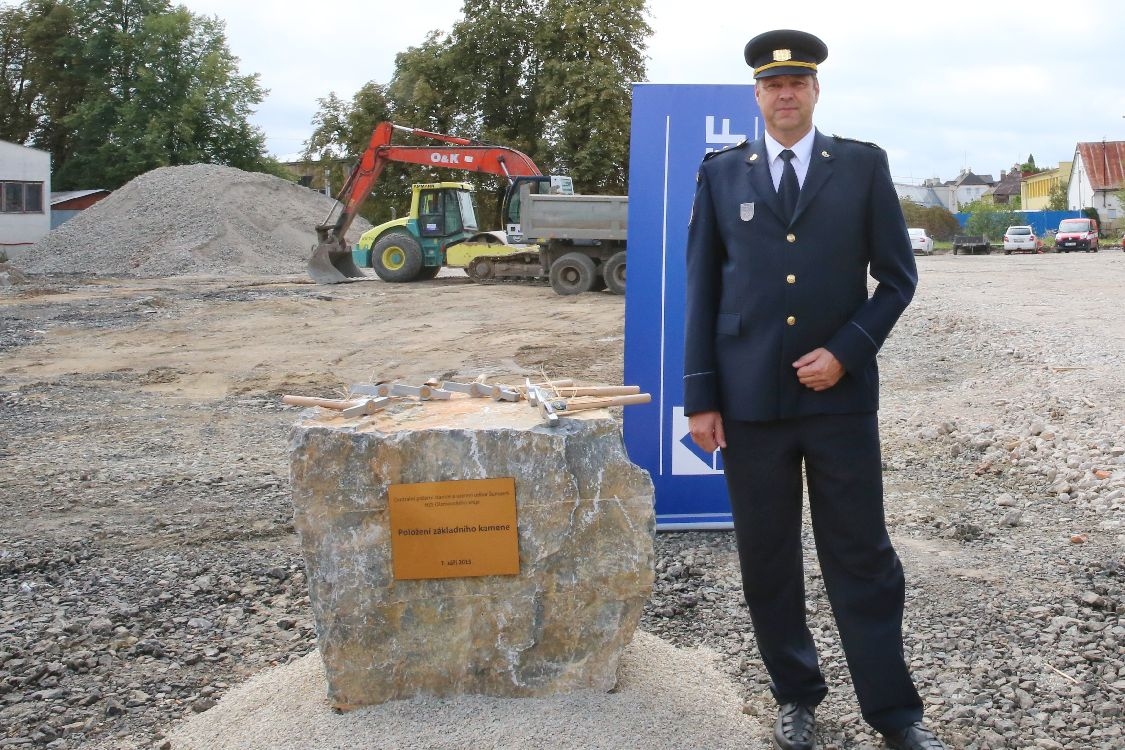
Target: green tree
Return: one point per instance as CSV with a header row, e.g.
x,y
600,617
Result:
x,y
913,213
342,131
547,77
424,89
592,52
16,91
943,224
1056,199
119,87
44,76
936,220
498,63
988,219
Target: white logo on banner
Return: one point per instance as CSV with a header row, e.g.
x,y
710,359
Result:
x,y
687,457
723,137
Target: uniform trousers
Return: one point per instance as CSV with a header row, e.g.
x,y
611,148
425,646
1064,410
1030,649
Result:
x,y
862,573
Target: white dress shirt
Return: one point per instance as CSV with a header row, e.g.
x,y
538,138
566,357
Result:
x,y
802,156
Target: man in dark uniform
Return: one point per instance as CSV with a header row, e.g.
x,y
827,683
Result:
x,y
780,344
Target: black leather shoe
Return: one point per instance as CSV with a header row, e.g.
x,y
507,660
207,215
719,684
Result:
x,y
795,728
913,737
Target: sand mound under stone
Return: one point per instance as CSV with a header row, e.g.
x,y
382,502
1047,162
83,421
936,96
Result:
x,y
201,219
666,699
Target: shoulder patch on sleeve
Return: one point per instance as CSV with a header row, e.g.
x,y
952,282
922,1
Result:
x,y
853,140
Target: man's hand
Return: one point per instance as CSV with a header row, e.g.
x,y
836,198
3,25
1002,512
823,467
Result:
x,y
819,370
707,430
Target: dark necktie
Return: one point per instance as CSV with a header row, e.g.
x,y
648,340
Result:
x,y
789,188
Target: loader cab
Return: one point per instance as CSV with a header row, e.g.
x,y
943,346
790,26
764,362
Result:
x,y
535,185
445,210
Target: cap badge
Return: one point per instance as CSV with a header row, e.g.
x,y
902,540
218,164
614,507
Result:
x,y
782,55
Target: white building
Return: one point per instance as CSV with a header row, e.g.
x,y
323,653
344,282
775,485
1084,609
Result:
x,y
25,186
1097,175
952,194
965,189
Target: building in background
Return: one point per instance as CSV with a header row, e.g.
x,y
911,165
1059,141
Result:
x,y
1036,189
68,204
1006,192
25,184
966,188
924,195
1099,172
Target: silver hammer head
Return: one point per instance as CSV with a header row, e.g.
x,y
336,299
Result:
x,y
537,397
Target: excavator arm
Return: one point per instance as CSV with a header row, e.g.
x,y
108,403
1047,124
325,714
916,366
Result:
x,y
331,261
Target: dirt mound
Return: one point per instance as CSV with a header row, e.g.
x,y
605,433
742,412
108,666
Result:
x,y
201,219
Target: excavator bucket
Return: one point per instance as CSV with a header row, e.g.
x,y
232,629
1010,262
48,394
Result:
x,y
332,263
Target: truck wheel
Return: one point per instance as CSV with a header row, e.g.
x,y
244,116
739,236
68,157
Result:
x,y
573,273
614,272
397,257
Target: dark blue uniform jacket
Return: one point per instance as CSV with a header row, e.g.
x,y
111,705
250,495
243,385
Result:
x,y
760,293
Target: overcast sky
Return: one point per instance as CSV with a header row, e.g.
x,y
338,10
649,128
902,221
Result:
x,y
941,86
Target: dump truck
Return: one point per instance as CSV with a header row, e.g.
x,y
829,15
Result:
x,y
578,240
575,241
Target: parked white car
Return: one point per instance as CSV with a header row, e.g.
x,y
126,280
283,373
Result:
x,y
922,243
1021,239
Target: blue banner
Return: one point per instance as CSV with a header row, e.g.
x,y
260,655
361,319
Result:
x,y
673,128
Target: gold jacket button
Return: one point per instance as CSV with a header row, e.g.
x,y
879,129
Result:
x,y
790,238
791,320
791,279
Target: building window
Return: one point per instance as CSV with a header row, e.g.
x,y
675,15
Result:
x,y
21,197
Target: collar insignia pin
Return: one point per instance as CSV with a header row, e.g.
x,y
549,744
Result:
x,y
753,157
825,154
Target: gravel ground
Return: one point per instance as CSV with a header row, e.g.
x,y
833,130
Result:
x,y
148,564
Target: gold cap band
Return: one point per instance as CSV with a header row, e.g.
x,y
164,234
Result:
x,y
786,64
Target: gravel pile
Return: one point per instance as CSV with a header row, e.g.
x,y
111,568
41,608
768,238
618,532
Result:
x,y
658,687
202,219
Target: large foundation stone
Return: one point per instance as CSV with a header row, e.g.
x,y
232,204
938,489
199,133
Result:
x,y
585,533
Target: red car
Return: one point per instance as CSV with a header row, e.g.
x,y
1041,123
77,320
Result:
x,y
1077,234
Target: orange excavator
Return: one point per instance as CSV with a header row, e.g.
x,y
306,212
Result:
x,y
332,261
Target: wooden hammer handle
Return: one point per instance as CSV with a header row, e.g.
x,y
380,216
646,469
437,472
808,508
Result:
x,y
328,403
605,403
595,390
560,383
